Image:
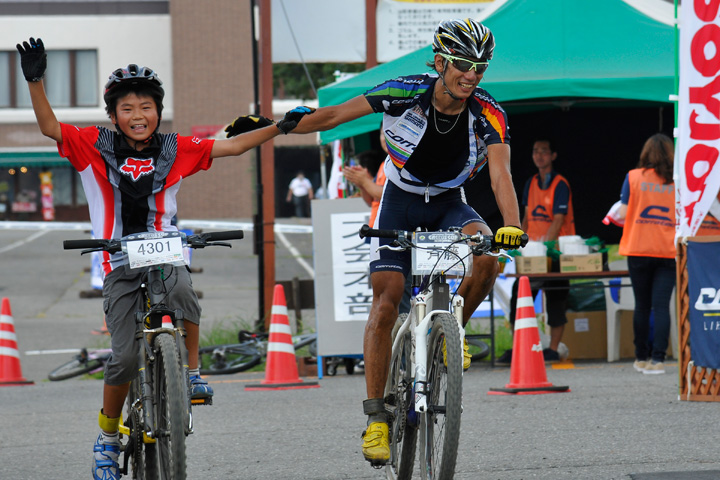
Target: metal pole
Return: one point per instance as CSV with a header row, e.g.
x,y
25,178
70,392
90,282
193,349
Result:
x,y
268,156
258,217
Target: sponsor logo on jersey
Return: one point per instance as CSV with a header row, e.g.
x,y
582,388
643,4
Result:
x,y
137,167
399,140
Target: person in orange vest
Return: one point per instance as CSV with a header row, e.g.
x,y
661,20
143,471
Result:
x,y
547,200
648,241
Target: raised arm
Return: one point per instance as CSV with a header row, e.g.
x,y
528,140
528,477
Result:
x,y
33,61
325,118
242,143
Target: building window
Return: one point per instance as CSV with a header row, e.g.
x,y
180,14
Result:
x,y
71,79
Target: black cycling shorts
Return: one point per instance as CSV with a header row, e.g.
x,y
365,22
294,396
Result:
x,y
401,210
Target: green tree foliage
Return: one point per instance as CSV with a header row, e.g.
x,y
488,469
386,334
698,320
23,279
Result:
x,y
290,80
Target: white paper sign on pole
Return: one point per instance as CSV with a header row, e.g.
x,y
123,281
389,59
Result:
x,y
404,26
350,258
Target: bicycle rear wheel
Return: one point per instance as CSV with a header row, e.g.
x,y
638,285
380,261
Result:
x,y
440,425
227,359
399,398
170,409
143,455
79,365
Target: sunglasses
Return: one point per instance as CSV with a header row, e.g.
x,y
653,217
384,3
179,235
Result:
x,y
465,65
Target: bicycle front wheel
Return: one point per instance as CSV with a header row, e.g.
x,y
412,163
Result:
x,y
440,424
399,399
170,409
227,359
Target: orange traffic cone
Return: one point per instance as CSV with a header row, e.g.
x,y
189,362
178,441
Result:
x,y
281,372
527,370
103,330
10,371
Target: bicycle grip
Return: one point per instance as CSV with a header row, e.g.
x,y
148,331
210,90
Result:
x,y
524,239
84,243
226,235
366,231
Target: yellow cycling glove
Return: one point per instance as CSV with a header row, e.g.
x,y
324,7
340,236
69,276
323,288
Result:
x,y
510,238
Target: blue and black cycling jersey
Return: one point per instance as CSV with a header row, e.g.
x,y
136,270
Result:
x,y
406,103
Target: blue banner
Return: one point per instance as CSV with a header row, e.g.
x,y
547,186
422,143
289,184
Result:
x,y
704,297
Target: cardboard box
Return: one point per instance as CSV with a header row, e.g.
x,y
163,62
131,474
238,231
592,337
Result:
x,y
586,335
532,264
591,262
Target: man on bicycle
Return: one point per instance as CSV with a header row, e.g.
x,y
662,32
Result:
x,y
440,129
131,177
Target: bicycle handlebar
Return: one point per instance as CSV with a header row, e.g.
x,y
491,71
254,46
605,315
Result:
x,y
100,243
485,243
366,231
200,240
213,236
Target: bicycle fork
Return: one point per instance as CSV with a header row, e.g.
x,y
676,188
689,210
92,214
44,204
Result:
x,y
422,332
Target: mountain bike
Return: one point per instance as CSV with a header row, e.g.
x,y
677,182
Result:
x,y
252,348
159,404
423,394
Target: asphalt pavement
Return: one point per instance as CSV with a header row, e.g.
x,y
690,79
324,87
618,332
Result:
x,y
613,424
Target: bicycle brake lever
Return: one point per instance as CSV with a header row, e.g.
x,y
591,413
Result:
x,y
389,247
219,244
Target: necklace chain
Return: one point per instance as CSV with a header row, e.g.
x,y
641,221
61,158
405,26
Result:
x,y
436,115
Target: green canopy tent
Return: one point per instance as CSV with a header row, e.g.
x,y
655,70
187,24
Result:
x,y
553,53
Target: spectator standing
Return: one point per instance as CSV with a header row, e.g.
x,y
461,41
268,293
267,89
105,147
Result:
x,y
648,240
300,192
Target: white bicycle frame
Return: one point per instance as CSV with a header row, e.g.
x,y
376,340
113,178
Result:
x,y
419,332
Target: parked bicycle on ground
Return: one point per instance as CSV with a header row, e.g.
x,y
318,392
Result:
x,y
423,393
86,361
248,352
159,404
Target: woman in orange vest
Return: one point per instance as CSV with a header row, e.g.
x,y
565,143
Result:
x,y
648,206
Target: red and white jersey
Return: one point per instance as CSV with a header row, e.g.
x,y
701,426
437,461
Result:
x,y
131,192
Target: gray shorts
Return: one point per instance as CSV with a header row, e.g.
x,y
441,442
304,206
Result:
x,y
122,298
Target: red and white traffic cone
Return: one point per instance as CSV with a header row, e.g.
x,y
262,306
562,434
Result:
x,y
10,371
281,372
527,370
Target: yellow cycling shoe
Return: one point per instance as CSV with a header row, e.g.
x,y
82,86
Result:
x,y
376,444
466,354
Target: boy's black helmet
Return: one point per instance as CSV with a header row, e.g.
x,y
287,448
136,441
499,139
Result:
x,y
133,77
465,38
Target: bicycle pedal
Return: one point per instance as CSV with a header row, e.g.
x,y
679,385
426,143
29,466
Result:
x,y
201,401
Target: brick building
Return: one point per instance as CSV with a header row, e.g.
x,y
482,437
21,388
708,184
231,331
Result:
x,y
201,50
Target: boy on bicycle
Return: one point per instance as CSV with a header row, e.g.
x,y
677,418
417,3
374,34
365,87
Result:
x,y
441,129
131,177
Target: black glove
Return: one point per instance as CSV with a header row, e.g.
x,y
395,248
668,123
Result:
x,y
33,59
510,238
292,118
246,123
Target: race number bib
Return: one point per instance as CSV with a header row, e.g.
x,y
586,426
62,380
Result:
x,y
154,251
437,253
